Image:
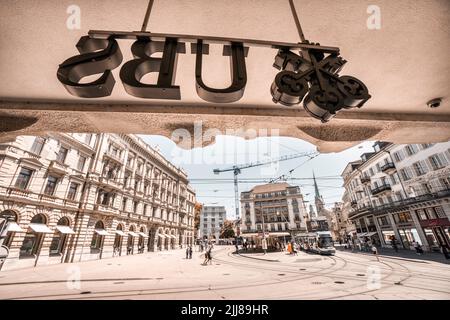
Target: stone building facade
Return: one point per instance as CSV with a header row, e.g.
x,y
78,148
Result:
x,y
401,193
277,208
211,222
75,197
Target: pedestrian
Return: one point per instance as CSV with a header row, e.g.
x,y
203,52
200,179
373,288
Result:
x,y
295,249
237,247
190,252
375,251
445,250
187,253
416,246
394,243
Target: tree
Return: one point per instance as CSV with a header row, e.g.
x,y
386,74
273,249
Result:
x,y
227,230
198,209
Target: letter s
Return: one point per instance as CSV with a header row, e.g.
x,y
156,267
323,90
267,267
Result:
x,y
91,62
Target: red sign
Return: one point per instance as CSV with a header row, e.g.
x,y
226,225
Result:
x,y
435,222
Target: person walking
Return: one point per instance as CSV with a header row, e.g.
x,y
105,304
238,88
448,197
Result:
x,y
190,252
237,247
394,243
445,251
295,249
187,253
417,247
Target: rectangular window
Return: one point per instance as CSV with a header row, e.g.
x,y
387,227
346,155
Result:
x,y
411,149
419,168
37,146
439,212
135,205
62,154
405,174
24,178
402,217
87,138
81,163
51,185
437,161
73,188
124,204
398,156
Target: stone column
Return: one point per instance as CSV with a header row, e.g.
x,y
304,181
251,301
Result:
x,y
419,229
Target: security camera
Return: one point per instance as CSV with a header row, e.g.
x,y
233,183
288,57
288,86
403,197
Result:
x,y
435,103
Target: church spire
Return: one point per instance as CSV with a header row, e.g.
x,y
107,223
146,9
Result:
x,y
318,198
316,188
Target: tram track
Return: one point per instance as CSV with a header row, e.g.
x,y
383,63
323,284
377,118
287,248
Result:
x,y
339,263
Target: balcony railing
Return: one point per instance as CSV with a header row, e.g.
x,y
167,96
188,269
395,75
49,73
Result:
x,y
401,203
106,209
388,168
381,189
114,156
354,203
365,179
57,167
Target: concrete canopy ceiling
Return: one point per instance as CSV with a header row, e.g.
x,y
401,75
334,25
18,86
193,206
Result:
x,y
404,64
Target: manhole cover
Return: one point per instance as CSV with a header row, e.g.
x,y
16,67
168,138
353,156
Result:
x,y
159,278
85,292
360,275
119,282
226,274
217,264
281,274
302,269
109,264
398,283
339,282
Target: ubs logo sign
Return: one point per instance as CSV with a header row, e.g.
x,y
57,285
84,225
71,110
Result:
x,y
311,76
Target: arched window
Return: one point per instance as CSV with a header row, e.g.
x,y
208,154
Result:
x,y
130,241
141,244
8,216
97,238
118,240
59,238
32,241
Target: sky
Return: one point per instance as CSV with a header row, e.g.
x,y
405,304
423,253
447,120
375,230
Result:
x,y
218,190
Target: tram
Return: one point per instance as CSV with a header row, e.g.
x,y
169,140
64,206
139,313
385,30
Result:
x,y
319,242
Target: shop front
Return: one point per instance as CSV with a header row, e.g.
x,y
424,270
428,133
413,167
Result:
x,y
273,240
437,232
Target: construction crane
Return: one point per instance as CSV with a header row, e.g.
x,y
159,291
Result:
x,y
237,170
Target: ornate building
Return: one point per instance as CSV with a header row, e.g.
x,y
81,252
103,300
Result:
x,y
277,208
74,197
401,192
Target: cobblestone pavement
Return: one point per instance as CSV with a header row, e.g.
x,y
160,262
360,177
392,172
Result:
x,y
168,275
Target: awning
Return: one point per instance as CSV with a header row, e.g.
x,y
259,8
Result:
x,y
120,233
279,234
101,232
40,228
14,227
131,233
143,234
65,229
248,235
